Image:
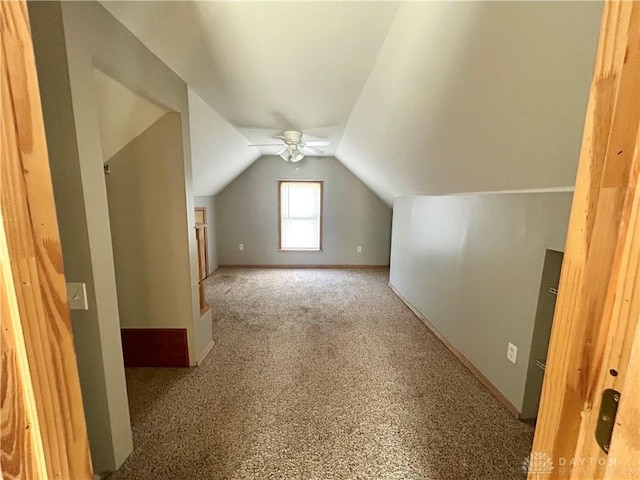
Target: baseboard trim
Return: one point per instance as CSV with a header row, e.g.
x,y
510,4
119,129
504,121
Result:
x,y
155,347
205,352
212,272
307,266
465,361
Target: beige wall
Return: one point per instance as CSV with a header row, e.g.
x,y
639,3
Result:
x,y
247,213
210,205
70,39
472,264
146,217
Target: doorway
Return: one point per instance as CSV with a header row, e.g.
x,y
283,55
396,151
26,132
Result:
x,y
203,253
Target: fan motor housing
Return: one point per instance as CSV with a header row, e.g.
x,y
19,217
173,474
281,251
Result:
x,y
292,136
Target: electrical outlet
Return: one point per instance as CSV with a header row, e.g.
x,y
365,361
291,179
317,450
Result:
x,y
241,246
512,353
359,248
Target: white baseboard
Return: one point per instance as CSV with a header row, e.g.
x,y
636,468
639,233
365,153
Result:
x,y
205,352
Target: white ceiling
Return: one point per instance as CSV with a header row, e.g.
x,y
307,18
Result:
x,y
267,66
122,113
417,97
474,97
219,153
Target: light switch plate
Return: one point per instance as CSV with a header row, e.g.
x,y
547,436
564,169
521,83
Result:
x,y
77,296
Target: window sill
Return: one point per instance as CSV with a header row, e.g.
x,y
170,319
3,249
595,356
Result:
x,y
312,250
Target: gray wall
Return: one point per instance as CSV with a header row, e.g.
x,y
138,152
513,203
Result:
x,y
472,264
146,229
247,212
70,39
210,205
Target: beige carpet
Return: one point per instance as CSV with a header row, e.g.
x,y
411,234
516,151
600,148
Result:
x,y
318,374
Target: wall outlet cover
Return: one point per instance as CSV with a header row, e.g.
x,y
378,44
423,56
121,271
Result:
x,y
512,353
241,246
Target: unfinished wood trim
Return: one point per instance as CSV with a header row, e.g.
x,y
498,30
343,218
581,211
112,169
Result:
x,y
615,343
321,182
205,232
338,266
595,315
203,214
622,351
155,347
35,258
21,447
280,214
626,442
464,360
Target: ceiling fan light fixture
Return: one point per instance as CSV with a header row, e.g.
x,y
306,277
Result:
x,y
297,156
292,136
292,148
291,154
285,155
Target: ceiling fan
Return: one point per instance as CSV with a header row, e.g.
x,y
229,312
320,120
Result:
x,y
293,148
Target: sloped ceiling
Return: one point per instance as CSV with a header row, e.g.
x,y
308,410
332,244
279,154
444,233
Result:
x,y
472,97
418,97
267,66
122,113
219,153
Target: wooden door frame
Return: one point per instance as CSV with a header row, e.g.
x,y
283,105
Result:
x,y
43,426
599,294
204,225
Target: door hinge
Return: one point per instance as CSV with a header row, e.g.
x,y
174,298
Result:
x,y
607,418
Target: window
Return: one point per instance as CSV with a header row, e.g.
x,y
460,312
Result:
x,y
300,222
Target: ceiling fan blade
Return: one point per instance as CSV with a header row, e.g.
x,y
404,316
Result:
x,y
281,151
318,143
307,148
266,145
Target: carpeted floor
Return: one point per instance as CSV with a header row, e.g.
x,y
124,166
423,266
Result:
x,y
318,374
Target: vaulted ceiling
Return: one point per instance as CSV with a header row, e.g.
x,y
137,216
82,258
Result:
x,y
417,97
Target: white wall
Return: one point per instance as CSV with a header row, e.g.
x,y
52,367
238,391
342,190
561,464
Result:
x,y
472,264
247,212
122,113
146,229
473,97
218,151
210,205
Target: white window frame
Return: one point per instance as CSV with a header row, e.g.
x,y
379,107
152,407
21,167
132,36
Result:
x,y
280,216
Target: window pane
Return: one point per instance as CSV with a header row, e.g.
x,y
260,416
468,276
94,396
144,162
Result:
x,y
300,215
301,234
284,200
304,200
